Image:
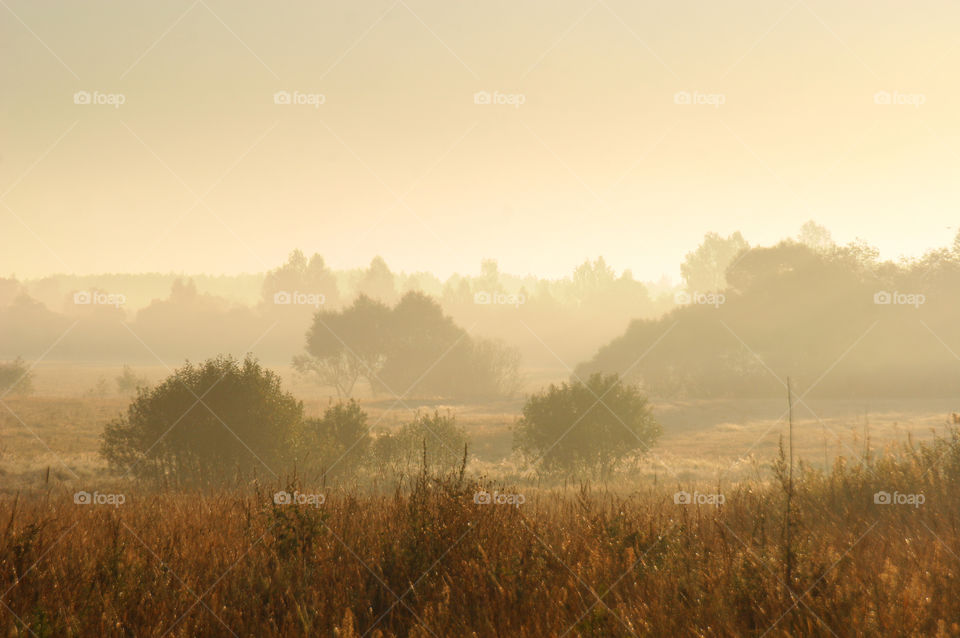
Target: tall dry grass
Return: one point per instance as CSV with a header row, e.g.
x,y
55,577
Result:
x,y
428,560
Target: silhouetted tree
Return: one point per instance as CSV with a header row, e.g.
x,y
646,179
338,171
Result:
x,y
378,282
301,276
412,349
705,268
344,346
816,237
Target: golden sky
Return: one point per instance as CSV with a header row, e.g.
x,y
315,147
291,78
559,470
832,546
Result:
x,y
841,112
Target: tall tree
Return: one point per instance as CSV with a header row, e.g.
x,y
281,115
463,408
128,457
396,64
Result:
x,y
705,268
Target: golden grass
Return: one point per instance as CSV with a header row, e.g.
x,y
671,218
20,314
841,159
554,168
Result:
x,y
430,561
569,561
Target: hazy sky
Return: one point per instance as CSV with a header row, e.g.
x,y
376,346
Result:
x,y
200,170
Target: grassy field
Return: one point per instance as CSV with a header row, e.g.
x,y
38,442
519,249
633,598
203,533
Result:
x,y
719,440
431,558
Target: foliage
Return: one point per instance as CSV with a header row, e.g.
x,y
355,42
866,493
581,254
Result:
x,y
16,378
343,346
412,348
436,435
704,270
586,427
129,382
206,422
878,328
339,442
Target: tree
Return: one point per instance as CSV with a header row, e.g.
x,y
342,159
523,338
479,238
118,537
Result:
x,y
591,280
343,346
378,282
340,440
704,270
15,378
815,237
129,382
209,422
302,276
412,348
586,427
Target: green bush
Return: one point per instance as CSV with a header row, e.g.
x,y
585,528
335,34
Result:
x,y
339,442
209,422
586,427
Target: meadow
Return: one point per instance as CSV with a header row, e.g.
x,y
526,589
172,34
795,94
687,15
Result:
x,y
490,549
435,559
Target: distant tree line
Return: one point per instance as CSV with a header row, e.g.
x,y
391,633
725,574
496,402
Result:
x,y
140,318
836,319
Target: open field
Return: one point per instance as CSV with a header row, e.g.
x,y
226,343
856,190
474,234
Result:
x,y
429,557
431,560
708,440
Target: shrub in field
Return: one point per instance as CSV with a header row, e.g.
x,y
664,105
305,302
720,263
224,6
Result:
x,y
129,382
207,422
15,378
435,435
586,427
340,440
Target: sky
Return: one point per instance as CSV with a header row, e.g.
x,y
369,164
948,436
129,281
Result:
x,y
214,136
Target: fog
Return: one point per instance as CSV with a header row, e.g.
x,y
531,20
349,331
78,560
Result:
x,y
418,318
